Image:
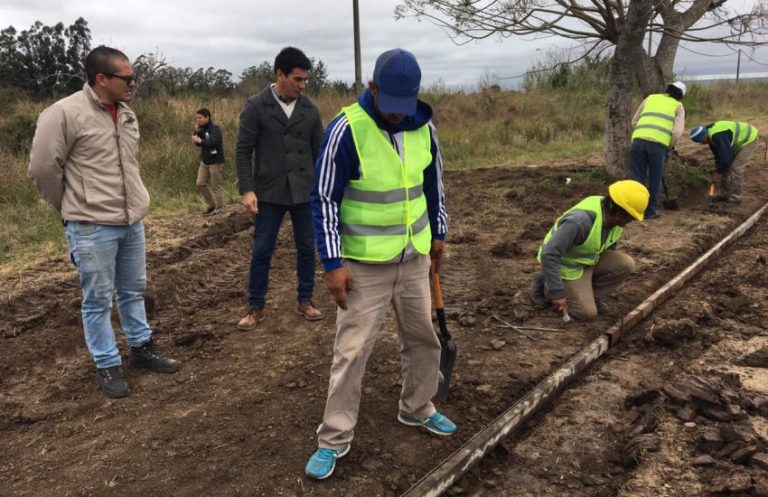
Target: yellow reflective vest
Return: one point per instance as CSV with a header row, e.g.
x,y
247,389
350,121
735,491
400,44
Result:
x,y
657,119
386,207
743,133
588,253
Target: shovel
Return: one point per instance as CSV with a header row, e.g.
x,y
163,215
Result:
x,y
447,346
668,203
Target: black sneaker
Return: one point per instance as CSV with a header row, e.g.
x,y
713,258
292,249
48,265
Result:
x,y
146,357
112,382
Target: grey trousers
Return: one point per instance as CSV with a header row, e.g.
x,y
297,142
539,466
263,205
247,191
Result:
x,y
730,185
375,287
596,283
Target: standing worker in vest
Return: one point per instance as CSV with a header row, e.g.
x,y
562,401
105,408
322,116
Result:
x,y
732,143
659,123
579,266
379,214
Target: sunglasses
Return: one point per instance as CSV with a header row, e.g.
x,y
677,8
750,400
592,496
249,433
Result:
x,y
128,79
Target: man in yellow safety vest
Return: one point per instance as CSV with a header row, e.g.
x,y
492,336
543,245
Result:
x,y
658,124
379,215
579,266
732,143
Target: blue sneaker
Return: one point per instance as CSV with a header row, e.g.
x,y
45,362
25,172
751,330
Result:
x,y
322,463
437,424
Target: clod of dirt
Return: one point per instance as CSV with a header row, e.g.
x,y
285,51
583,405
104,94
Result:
x,y
738,482
757,359
463,237
642,397
634,450
498,344
760,460
704,460
507,250
671,332
535,231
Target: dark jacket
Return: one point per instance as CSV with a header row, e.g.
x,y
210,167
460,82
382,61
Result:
x,y
212,146
275,155
720,145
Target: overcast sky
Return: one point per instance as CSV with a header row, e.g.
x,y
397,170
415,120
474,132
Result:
x,y
233,35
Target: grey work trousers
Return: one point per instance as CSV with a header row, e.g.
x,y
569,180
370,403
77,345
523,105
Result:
x,y
731,182
406,287
596,283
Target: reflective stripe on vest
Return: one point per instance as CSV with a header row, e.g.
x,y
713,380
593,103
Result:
x,y
588,253
386,207
657,119
742,133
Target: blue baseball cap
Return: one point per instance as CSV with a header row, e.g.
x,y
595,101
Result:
x,y
699,134
398,76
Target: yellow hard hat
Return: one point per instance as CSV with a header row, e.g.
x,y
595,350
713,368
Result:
x,y
630,195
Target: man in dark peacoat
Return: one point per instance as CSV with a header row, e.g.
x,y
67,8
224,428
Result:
x,y
277,143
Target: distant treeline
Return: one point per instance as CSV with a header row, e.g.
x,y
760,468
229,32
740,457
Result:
x,y
47,61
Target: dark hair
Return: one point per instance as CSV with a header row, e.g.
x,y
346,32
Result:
x,y
290,58
675,92
101,60
204,112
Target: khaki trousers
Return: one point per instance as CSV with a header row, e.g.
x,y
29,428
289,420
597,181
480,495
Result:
x,y
406,287
209,184
730,185
597,282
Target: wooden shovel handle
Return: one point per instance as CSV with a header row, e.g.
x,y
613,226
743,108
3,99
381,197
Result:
x,y
437,294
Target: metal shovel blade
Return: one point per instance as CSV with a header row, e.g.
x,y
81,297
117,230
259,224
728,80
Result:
x,y
668,203
447,357
447,345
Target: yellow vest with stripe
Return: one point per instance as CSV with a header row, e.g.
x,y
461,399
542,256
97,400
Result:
x,y
743,133
657,119
588,253
386,207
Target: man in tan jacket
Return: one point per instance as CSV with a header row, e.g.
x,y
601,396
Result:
x,y
83,161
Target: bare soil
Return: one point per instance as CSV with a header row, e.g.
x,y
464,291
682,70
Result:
x,y
240,418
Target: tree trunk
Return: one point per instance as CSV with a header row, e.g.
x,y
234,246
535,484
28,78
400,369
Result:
x,y
648,74
618,111
665,54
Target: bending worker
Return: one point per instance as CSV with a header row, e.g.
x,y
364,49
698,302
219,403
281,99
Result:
x,y
658,124
732,143
579,266
379,213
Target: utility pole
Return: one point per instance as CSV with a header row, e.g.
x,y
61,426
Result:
x,y
738,57
358,71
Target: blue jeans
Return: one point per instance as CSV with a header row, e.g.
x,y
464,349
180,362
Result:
x,y
647,158
111,261
265,229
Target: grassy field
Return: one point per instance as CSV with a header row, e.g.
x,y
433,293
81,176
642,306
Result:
x,y
484,128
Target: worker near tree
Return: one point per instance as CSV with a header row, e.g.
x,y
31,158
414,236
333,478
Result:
x,y
379,214
732,143
658,124
580,266
84,161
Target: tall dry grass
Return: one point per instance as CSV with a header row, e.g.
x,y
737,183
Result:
x,y
483,128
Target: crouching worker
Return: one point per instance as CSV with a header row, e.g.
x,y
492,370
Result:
x,y
732,143
579,266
